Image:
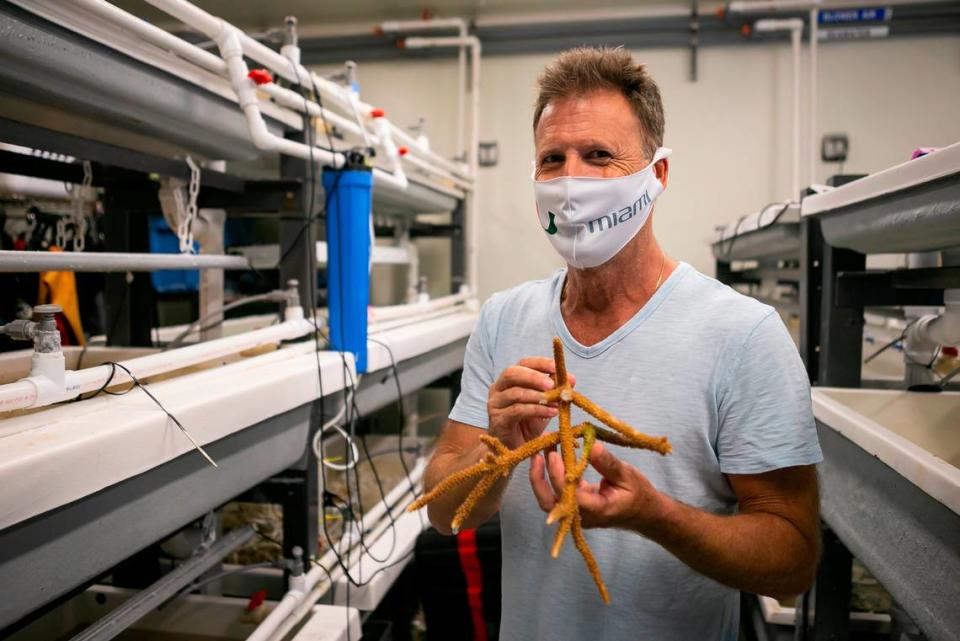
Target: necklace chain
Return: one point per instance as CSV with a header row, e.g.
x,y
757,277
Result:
x,y
663,263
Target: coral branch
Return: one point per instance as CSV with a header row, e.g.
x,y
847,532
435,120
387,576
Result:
x,y
581,543
559,362
656,443
500,461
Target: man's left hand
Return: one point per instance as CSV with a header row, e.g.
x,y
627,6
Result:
x,y
623,498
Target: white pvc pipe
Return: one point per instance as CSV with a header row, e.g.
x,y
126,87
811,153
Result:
x,y
434,24
230,49
28,393
392,312
795,36
473,226
384,326
291,99
441,24
229,42
239,44
294,601
761,6
213,27
473,206
814,137
941,329
795,27
461,94
155,35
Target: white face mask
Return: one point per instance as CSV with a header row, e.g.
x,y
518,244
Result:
x,y
589,220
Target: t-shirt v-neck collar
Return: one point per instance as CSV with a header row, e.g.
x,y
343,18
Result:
x,y
572,344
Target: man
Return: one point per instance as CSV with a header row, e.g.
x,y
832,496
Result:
x,y
665,349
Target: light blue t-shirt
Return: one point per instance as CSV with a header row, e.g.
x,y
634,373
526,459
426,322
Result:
x,y
713,370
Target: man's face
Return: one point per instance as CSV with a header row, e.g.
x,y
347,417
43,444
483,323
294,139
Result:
x,y
596,135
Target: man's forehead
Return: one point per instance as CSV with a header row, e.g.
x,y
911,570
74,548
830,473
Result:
x,y
593,117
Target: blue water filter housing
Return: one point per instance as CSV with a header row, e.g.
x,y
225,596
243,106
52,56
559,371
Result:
x,y
348,197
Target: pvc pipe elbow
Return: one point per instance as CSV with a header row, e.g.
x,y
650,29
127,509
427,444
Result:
x,y
937,329
293,313
48,376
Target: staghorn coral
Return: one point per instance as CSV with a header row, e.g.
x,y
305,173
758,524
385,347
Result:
x,y
500,461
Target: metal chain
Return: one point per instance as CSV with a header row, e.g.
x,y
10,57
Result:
x,y
80,218
78,195
185,226
61,238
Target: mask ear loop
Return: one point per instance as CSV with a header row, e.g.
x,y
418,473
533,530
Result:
x,y
660,154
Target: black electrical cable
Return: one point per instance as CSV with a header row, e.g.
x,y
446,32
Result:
x,y
309,220
352,414
136,383
403,414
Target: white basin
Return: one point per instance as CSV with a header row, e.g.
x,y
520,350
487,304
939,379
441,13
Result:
x,y
916,434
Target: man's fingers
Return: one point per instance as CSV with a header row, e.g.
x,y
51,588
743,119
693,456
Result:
x,y
523,411
508,397
556,472
545,365
590,503
609,466
541,489
519,376
539,363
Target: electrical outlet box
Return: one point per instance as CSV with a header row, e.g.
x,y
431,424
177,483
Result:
x,y
834,148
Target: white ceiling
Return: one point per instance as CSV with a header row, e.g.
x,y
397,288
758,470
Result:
x,y
260,15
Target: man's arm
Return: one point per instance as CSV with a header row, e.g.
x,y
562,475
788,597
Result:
x,y
770,547
458,448
515,414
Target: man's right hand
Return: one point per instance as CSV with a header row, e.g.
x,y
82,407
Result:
x,y
515,403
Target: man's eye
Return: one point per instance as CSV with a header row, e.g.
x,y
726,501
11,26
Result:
x,y
551,159
599,154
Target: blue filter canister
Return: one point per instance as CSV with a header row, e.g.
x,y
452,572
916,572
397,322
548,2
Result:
x,y
347,193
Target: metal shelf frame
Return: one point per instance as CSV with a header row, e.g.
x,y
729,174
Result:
x,y
272,459
868,509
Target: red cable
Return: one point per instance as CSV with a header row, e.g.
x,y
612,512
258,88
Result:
x,y
470,562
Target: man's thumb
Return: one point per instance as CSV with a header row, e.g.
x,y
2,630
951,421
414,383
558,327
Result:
x,y
609,466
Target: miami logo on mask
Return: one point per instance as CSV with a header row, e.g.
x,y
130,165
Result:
x,y
620,216
552,227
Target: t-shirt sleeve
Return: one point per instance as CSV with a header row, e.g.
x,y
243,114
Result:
x,y
478,375
765,416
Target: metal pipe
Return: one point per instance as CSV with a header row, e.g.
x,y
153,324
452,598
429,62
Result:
x,y
140,604
39,261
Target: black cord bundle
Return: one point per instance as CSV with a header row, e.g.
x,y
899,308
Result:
x,y
349,388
